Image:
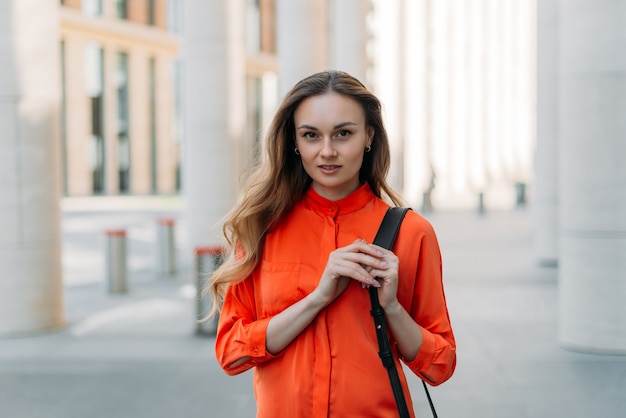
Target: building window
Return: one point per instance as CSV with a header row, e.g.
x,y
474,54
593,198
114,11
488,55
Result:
x,y
94,80
121,9
177,116
123,122
151,13
174,15
92,7
253,26
260,26
253,116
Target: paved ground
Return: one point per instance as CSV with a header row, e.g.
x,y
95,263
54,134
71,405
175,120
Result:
x,y
136,354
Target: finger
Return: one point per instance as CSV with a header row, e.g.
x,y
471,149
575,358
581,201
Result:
x,y
364,262
378,249
360,245
365,258
383,276
354,271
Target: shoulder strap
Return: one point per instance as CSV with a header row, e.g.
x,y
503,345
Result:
x,y
385,237
389,227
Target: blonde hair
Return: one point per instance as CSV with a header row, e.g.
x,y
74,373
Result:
x,y
280,181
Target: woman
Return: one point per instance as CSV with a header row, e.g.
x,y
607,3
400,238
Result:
x,y
292,292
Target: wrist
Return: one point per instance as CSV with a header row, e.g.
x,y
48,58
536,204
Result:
x,y
317,301
393,309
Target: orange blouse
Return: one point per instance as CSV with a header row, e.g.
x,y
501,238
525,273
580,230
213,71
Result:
x,y
332,369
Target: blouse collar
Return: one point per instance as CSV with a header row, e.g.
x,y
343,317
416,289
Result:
x,y
351,203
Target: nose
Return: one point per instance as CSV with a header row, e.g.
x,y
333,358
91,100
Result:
x,y
327,148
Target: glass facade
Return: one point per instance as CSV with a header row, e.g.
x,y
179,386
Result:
x,y
254,115
151,17
121,9
92,7
94,77
253,26
123,123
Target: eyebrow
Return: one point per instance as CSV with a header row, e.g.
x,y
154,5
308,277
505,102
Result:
x,y
338,126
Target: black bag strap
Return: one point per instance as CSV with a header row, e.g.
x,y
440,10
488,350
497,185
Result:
x,y
385,237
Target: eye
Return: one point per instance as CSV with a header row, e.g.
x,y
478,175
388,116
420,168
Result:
x,y
309,135
343,133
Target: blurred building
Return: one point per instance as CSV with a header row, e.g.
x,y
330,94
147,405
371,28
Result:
x,y
119,99
457,82
455,78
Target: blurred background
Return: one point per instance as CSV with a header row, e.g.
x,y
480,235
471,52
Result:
x,y
126,127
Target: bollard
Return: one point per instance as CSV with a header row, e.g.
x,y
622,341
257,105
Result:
x,y
116,271
520,194
427,205
166,246
481,204
207,260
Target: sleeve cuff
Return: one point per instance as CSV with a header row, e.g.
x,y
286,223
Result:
x,y
425,355
253,348
258,335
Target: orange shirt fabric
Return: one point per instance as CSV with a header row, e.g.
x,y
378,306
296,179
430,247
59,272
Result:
x,y
332,369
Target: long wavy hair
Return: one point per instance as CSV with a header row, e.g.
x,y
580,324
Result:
x,y
279,180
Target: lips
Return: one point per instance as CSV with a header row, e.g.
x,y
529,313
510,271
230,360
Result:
x,y
329,168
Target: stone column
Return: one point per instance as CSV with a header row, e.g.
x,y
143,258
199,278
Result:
x,y
301,40
545,204
388,79
213,103
416,113
31,288
592,175
349,36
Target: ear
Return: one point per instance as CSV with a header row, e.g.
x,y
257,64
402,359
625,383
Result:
x,y
370,136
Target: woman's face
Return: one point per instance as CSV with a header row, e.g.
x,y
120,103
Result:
x,y
331,137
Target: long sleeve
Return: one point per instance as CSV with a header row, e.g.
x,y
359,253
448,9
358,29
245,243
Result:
x,y
436,359
321,373
239,333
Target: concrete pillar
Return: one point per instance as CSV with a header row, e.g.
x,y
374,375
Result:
x,y
545,204
388,79
31,288
213,108
592,175
301,40
349,36
416,121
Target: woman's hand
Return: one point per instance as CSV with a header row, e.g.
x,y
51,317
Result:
x,y
387,277
358,261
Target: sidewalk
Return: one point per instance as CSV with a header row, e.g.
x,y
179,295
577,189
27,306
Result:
x,y
136,355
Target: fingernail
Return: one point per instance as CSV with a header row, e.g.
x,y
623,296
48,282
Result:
x,y
384,265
